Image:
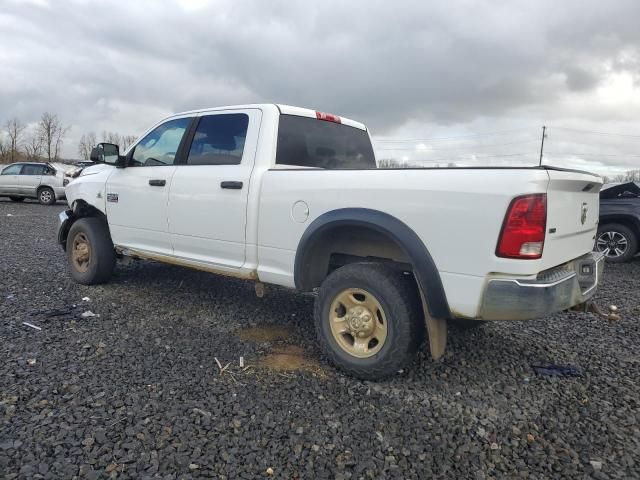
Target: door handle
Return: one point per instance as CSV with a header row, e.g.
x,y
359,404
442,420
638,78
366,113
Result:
x,y
157,183
231,185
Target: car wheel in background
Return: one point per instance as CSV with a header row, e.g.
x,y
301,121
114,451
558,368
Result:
x,y
369,320
618,242
46,196
17,199
90,251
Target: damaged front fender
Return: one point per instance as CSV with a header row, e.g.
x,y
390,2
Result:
x,y
65,219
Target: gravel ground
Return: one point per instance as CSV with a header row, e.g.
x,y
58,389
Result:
x,y
137,391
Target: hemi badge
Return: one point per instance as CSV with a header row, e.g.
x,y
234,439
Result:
x,y
112,197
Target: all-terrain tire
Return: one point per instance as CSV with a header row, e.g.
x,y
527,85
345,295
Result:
x,y
101,260
619,231
46,196
397,294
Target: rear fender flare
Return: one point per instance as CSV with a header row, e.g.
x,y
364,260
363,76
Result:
x,y
424,268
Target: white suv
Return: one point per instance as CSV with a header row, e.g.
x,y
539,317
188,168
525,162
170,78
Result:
x,y
32,180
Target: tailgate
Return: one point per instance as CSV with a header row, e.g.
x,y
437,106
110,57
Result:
x,y
573,206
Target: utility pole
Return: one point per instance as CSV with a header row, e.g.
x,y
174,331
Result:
x,y
544,129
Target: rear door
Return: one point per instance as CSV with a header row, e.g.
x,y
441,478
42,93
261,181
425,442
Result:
x,y
137,196
30,179
572,216
209,192
10,179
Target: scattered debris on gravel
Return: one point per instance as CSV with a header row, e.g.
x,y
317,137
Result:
x,y
137,391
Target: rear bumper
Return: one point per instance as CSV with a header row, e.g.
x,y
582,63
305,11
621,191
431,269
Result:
x,y
554,290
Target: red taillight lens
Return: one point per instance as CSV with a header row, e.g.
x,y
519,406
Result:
x,y
524,227
328,117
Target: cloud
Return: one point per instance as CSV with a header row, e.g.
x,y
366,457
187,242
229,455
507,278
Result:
x,y
409,69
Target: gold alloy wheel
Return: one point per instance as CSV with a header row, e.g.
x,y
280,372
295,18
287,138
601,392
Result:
x,y
358,322
81,252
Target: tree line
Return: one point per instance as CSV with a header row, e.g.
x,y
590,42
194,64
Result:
x,y
38,142
42,141
89,140
629,176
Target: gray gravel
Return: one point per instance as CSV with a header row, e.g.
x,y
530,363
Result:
x,y
137,392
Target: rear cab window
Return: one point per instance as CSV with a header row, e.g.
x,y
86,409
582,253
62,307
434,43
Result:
x,y
314,143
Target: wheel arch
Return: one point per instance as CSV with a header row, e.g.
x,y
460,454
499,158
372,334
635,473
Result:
x,y
627,220
396,241
43,186
79,209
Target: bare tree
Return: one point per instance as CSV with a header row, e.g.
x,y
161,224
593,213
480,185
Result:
x,y
34,147
87,142
15,129
52,134
388,163
111,137
127,140
3,148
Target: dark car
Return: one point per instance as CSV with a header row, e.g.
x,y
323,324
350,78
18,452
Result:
x,y
619,231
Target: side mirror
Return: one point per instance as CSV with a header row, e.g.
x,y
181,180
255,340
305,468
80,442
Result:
x,y
108,153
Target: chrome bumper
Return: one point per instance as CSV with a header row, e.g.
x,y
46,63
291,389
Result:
x,y
554,290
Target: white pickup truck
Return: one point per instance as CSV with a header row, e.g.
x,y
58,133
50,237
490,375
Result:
x,y
290,196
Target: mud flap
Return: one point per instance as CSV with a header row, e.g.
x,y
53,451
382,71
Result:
x,y
436,331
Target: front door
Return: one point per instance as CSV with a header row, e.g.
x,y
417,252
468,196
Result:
x,y
209,192
10,179
137,196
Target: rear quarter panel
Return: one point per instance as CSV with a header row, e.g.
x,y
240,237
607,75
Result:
x,y
457,213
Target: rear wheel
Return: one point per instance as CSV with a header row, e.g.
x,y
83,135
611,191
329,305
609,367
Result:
x,y
46,196
90,251
618,242
368,319
17,199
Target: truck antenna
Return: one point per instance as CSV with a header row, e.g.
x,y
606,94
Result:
x,y
544,129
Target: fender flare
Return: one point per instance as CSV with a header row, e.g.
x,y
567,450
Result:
x,y
424,268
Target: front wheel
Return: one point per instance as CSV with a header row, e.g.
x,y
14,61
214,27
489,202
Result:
x,y
617,242
46,196
90,251
368,319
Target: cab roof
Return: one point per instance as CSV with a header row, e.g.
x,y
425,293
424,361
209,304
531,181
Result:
x,y
283,109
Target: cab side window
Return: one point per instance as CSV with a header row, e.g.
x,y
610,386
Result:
x,y
159,147
12,170
219,140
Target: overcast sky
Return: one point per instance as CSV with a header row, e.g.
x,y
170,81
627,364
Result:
x,y
420,72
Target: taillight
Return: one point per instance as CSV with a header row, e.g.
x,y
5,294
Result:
x,y
328,117
524,227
